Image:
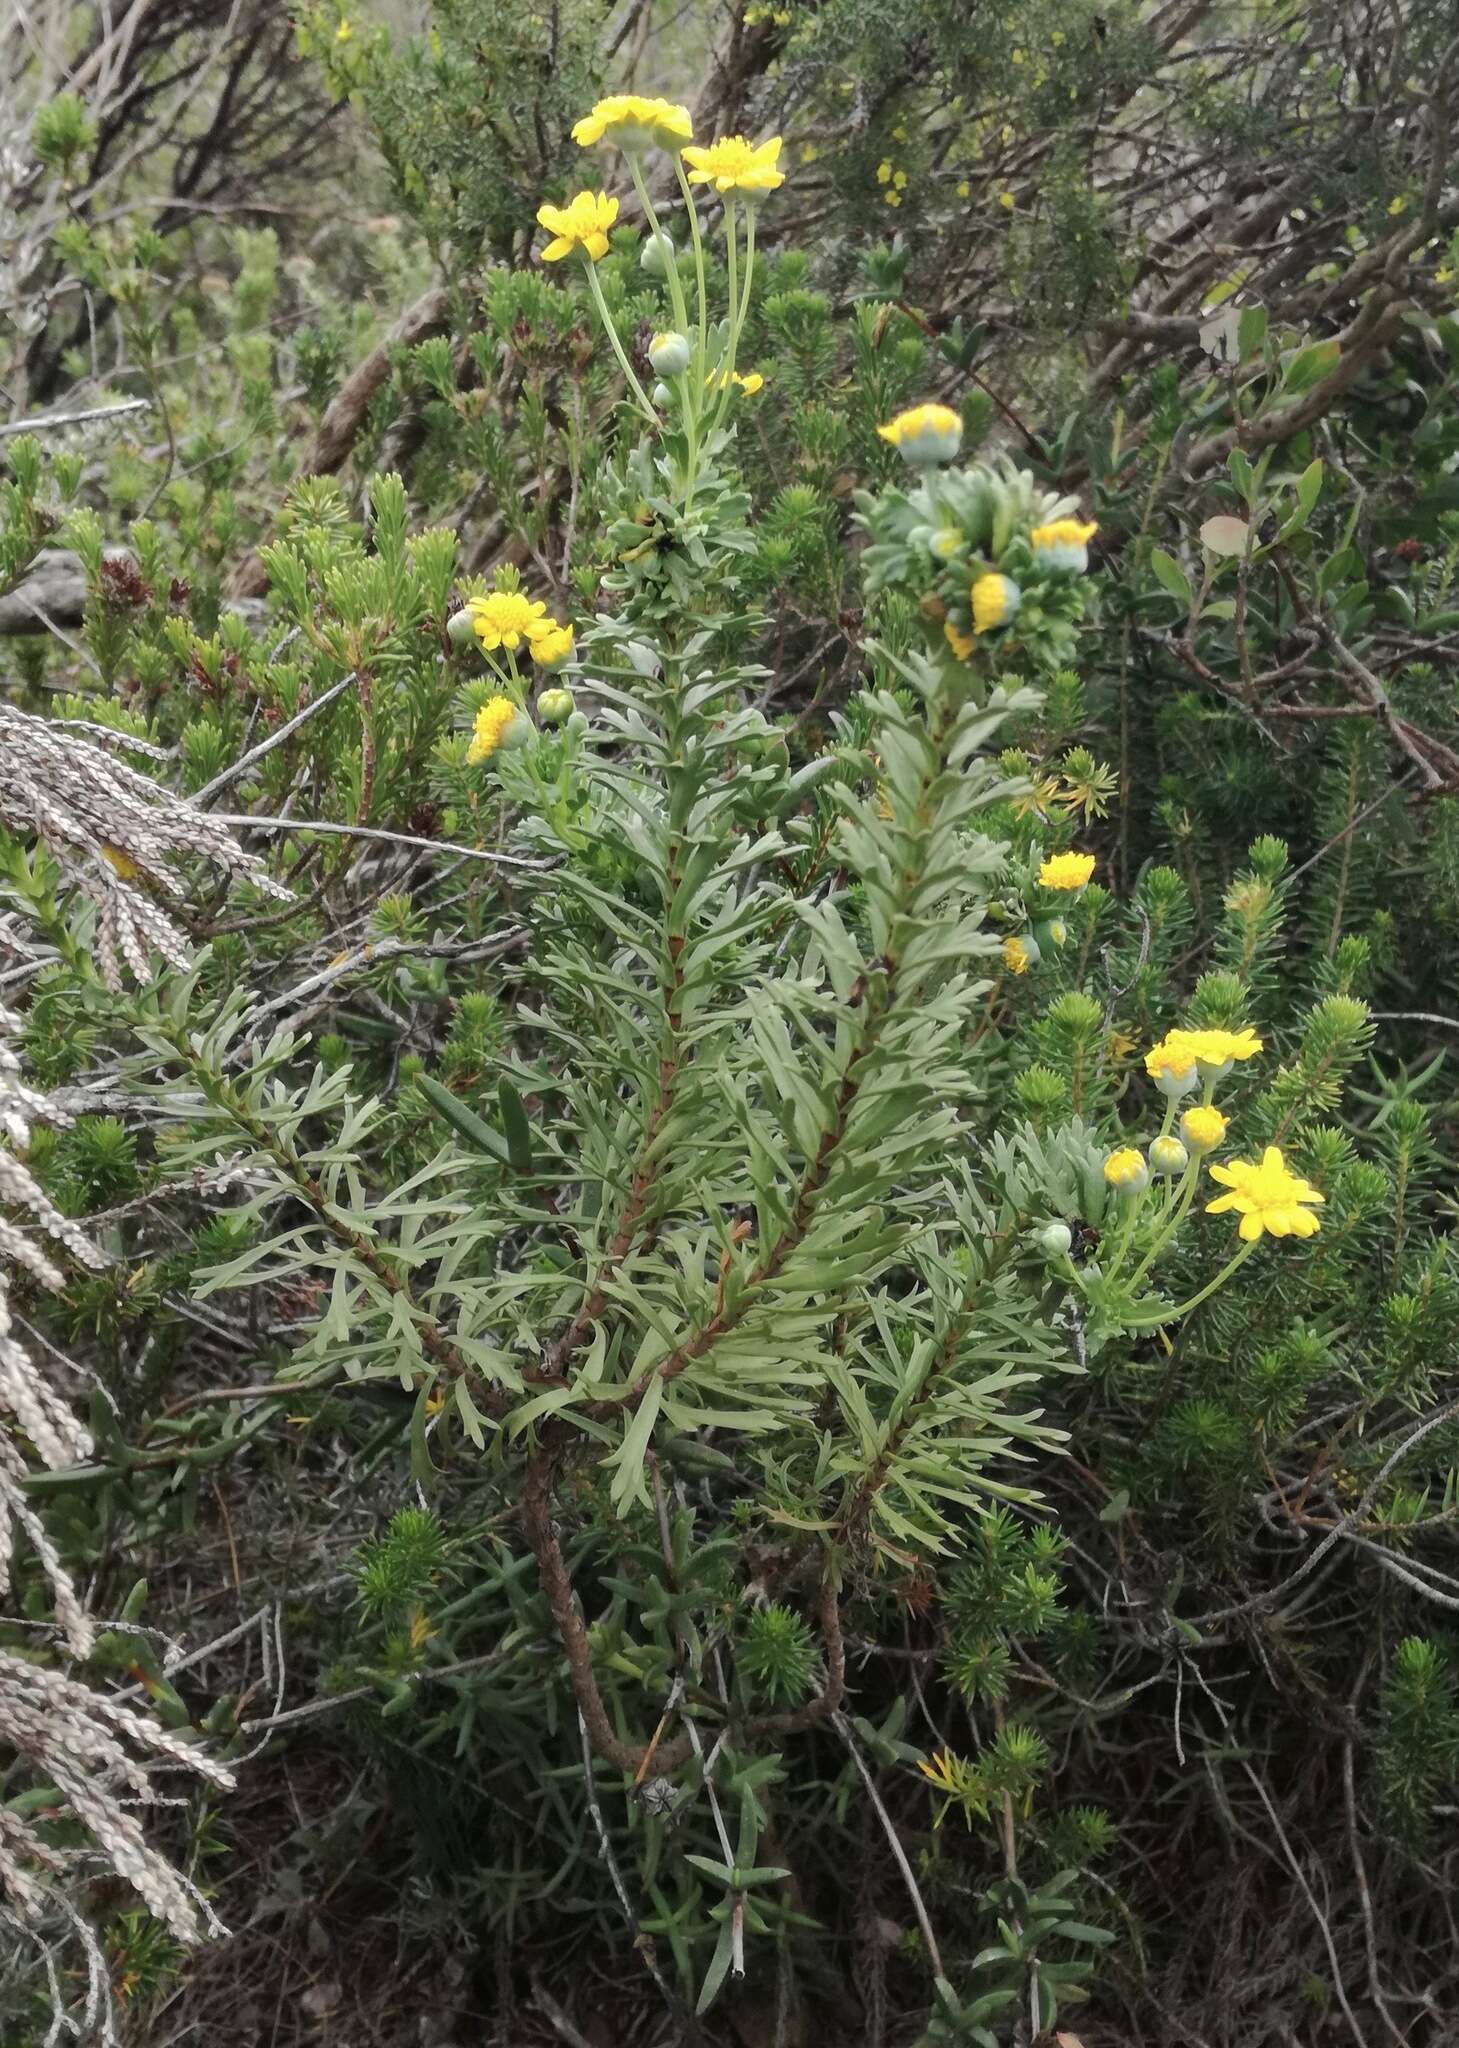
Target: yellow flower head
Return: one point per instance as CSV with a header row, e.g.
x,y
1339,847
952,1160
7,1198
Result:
x,y
962,644
1203,1128
1171,1064
925,433
1066,870
733,165
582,224
1268,1198
551,649
995,599
1017,955
506,618
1183,1055
1221,1048
634,123
1126,1170
343,33
723,379
1063,544
492,720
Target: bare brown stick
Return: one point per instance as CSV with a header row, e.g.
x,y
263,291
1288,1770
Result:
x,y
556,1583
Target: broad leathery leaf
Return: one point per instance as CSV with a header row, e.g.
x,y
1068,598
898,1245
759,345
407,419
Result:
x,y
1224,535
1250,330
1309,366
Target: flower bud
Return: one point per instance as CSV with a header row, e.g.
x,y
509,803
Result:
x,y
1020,952
1056,1240
662,396
1126,1171
945,542
657,254
518,733
1168,1156
461,628
1052,934
555,706
669,354
1203,1128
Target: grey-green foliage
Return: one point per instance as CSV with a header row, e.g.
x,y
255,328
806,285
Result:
x,y
746,1115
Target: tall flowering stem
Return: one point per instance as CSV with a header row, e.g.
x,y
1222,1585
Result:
x,y
698,367
671,268
618,349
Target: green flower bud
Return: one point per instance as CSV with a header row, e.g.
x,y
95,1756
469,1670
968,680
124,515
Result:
x,y
517,733
1168,1156
669,354
461,628
555,706
662,396
657,253
1052,934
1055,1240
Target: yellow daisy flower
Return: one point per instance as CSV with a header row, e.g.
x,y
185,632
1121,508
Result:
x,y
1017,954
1270,1199
733,165
552,648
508,617
492,720
582,224
633,123
1066,870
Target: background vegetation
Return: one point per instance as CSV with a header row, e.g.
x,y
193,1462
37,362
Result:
x,y
392,1119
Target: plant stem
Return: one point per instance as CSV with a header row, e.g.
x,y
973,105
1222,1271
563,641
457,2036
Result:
x,y
671,269
1166,1231
617,346
1175,1314
694,236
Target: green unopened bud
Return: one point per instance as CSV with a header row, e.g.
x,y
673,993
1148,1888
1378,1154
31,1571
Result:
x,y
662,396
1052,934
657,253
1168,1156
669,354
555,706
577,724
945,543
461,628
517,733
1055,1240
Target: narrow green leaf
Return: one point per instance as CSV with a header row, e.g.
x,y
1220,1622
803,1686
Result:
x,y
515,1124
462,1120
